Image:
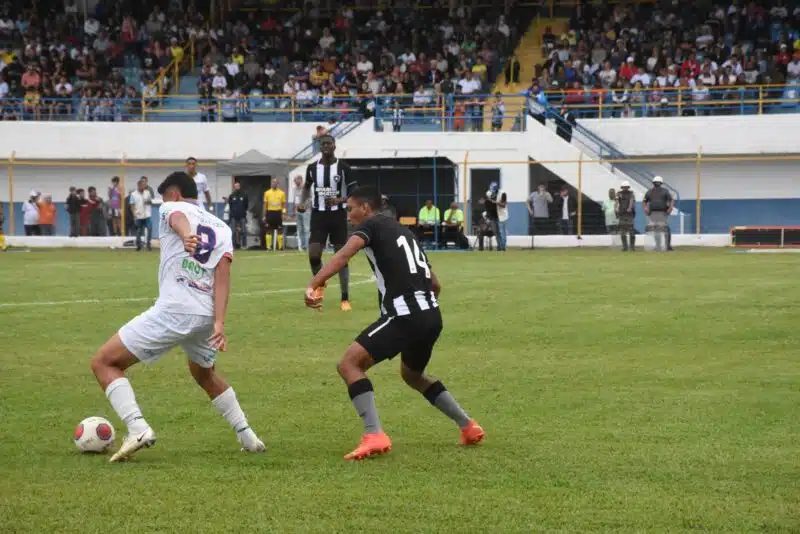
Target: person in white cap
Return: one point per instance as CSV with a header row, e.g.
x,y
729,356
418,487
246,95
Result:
x,y
30,215
626,211
658,204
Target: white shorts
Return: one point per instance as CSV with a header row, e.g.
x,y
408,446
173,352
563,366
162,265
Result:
x,y
153,333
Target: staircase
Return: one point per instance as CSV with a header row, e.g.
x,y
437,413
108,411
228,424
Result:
x,y
179,107
529,52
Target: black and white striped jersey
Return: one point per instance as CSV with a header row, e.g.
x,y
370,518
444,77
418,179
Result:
x,y
402,270
327,181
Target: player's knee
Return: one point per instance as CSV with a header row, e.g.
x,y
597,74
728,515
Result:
x,y
411,377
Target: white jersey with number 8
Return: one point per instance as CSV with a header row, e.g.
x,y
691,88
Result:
x,y
186,283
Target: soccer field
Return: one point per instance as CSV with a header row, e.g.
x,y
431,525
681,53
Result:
x,y
619,392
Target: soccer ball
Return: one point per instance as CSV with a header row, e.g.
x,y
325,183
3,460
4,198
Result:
x,y
94,434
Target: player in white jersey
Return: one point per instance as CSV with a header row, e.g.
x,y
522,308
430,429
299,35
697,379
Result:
x,y
203,191
194,281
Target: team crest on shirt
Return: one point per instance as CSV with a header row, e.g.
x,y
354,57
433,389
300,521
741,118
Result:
x,y
337,178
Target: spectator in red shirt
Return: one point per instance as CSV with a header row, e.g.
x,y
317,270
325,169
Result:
x,y
31,79
627,70
690,68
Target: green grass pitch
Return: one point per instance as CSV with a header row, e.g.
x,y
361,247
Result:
x,y
620,393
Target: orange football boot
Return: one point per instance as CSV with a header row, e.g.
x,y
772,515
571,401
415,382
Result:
x,y
371,445
472,434
346,305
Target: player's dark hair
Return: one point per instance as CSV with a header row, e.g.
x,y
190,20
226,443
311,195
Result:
x,y
367,195
191,158
327,136
181,180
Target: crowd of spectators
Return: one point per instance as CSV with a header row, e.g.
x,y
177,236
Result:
x,y
57,64
639,59
353,61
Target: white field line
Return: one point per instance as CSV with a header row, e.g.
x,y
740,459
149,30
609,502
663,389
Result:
x,y
4,305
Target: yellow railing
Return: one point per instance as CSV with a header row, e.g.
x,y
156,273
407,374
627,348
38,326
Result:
x,y
731,96
171,71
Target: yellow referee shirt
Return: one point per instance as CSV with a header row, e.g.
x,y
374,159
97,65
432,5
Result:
x,y
274,200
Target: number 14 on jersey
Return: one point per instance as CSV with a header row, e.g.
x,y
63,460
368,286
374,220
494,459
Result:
x,y
415,258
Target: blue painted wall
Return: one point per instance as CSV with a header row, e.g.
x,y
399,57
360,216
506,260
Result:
x,y
717,216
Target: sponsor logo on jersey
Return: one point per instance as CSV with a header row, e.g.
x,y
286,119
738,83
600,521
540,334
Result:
x,y
192,267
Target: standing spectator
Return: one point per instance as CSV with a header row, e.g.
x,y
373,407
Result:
x,y
86,211
658,204
539,210
238,203
610,211
565,121
626,211
302,215
141,205
74,210
97,219
498,112
274,212
30,215
115,206
567,209
397,117
47,215
496,206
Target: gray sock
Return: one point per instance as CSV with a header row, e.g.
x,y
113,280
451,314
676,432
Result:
x,y
344,282
447,405
438,395
364,404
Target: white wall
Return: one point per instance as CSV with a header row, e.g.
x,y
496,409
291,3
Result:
x,y
750,134
732,180
144,141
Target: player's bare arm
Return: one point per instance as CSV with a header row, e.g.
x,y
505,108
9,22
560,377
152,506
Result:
x,y
208,200
222,292
306,194
180,225
337,263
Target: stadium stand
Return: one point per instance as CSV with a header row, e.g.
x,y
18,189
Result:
x,y
413,67
674,58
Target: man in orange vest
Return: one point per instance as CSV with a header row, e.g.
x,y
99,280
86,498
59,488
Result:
x,y
47,215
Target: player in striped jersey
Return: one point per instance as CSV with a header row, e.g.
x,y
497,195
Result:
x,y
326,185
409,325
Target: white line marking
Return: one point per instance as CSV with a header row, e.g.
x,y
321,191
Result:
x,y
153,299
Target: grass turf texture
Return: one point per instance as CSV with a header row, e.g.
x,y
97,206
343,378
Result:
x,y
630,393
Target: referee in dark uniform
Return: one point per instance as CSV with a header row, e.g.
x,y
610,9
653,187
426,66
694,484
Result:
x,y
326,185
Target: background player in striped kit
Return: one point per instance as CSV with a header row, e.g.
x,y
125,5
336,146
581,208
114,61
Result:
x,y
410,321
326,185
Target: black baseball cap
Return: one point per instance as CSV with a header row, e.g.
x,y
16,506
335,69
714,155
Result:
x,y
183,181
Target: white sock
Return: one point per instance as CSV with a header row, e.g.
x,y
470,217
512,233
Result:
x,y
228,407
120,394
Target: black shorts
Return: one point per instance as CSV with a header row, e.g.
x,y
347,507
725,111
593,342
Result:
x,y
328,224
274,219
411,336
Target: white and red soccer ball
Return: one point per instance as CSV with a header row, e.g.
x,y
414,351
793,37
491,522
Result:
x,y
94,434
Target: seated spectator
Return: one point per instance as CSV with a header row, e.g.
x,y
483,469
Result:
x,y
427,220
453,226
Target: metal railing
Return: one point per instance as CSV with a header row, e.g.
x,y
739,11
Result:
x,y
338,131
441,112
607,153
